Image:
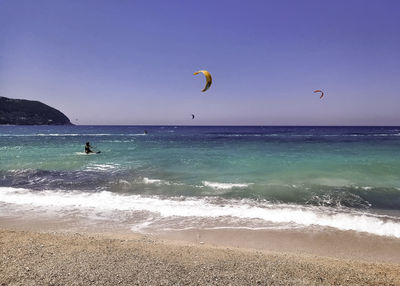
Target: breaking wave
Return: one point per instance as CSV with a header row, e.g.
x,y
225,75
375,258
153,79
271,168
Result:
x,y
223,186
288,214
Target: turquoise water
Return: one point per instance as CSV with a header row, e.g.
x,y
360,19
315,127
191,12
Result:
x,y
324,170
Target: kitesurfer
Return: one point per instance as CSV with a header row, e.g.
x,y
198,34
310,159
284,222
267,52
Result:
x,y
88,148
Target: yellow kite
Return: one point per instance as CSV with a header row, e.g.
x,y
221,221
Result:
x,y
208,78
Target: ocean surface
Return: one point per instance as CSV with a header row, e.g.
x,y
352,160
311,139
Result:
x,y
182,177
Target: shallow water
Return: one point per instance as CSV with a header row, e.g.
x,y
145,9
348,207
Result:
x,y
179,177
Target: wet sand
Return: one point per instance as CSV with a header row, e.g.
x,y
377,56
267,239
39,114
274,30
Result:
x,y
329,242
33,258
326,242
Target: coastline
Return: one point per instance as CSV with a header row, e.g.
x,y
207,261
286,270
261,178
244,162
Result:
x,y
125,218
33,258
323,242
330,243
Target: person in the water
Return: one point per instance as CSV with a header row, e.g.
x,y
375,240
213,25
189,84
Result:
x,y
87,148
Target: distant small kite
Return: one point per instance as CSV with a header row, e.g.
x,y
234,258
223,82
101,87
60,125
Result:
x,y
192,116
322,93
208,79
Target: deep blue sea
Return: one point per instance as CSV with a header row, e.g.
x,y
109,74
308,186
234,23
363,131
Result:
x,y
176,177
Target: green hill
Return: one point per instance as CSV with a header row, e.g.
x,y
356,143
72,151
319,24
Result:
x,y
29,112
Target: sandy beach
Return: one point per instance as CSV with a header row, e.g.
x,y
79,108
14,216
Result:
x,y
199,143
33,258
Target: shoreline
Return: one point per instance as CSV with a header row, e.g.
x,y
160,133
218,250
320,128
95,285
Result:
x,y
321,242
34,258
328,242
346,245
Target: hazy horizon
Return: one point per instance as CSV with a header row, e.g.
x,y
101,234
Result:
x,y
132,63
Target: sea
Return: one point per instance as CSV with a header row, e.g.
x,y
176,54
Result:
x,y
152,178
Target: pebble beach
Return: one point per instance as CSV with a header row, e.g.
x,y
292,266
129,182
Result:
x,y
33,258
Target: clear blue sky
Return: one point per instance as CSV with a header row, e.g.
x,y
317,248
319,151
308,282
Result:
x,y
132,62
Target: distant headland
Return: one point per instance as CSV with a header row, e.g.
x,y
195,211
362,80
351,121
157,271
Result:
x,y
29,112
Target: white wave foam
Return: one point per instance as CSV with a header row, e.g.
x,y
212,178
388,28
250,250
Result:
x,y
155,181
124,182
56,134
204,208
11,148
149,181
101,167
84,153
366,188
223,186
